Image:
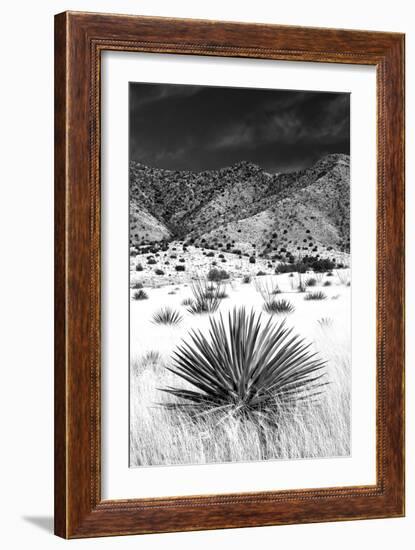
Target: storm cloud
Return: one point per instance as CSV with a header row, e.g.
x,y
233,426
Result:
x,y
182,127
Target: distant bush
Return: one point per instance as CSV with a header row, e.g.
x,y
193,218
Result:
x,y
140,295
327,283
139,267
246,279
305,264
216,274
319,295
252,260
311,281
137,284
167,316
210,254
322,265
151,261
291,268
180,268
278,307
159,272
261,273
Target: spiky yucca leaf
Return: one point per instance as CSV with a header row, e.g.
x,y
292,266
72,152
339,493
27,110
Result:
x,y
245,366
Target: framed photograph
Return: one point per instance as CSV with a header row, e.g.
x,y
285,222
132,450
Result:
x,y
229,276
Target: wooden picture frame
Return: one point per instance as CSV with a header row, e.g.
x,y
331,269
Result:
x,y
79,40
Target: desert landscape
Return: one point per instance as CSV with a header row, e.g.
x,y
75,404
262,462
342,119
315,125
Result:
x,y
240,288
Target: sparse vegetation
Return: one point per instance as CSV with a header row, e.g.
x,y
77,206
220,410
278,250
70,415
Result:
x,y
205,300
137,284
279,307
167,316
318,295
140,295
216,274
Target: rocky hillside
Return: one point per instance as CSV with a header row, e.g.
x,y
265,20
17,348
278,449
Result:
x,y
244,210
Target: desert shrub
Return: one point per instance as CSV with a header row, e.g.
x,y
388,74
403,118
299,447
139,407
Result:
x,y
267,289
182,260
325,322
137,284
180,268
290,268
159,272
278,307
140,295
327,283
344,277
318,295
261,273
151,357
216,274
151,261
167,316
206,299
246,279
301,287
139,267
272,368
329,274
311,281
252,260
210,254
321,265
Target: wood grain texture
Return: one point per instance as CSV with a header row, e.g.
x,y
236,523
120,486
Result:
x,y
79,40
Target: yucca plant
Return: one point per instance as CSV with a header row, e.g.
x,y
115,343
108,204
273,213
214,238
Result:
x,y
206,297
140,295
344,277
187,302
266,289
318,295
167,316
325,322
279,307
245,367
301,284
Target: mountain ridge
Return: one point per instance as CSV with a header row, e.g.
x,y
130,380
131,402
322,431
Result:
x,y
245,209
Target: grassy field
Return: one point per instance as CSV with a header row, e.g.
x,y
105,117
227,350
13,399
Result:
x,y
318,428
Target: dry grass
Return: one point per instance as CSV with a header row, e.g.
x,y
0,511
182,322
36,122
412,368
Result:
x,y
160,436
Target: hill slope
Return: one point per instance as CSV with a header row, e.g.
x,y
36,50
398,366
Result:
x,y
245,210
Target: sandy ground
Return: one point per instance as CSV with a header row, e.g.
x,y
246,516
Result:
x,y
146,336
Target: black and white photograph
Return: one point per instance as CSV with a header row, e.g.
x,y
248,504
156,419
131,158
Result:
x,y
239,274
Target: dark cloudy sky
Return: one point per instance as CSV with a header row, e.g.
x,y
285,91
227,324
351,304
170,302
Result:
x,y
181,127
